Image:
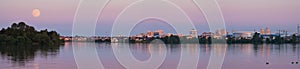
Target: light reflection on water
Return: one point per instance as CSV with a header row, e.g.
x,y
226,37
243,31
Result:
x,y
238,56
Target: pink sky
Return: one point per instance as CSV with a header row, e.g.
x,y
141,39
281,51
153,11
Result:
x,y
239,14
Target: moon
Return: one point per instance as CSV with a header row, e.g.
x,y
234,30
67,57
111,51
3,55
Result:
x,y
36,12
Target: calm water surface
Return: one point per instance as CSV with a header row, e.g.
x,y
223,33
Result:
x,y
238,56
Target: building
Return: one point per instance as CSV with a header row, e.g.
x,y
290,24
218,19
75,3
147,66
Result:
x,y
150,34
221,32
160,32
243,34
194,33
268,31
119,39
156,33
262,31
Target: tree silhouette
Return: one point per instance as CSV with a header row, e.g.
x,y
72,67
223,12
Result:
x,y
256,38
22,34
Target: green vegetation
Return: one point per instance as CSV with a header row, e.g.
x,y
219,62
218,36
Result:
x,y
22,34
257,39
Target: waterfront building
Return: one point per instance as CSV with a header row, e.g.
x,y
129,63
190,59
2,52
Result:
x,y
243,34
114,40
119,39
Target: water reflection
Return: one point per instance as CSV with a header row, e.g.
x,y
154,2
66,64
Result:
x,y
238,56
272,56
20,55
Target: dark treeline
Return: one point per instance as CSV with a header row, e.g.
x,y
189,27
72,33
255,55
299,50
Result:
x,y
22,34
257,39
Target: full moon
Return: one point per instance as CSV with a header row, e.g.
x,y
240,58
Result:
x,y
36,12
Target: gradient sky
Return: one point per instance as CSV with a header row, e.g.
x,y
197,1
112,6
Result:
x,y
240,15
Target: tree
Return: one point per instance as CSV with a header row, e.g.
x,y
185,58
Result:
x,y
278,39
14,26
294,38
22,26
22,34
54,36
42,39
2,39
10,40
256,38
2,31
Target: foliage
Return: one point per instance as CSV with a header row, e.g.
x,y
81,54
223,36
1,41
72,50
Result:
x,y
256,38
22,34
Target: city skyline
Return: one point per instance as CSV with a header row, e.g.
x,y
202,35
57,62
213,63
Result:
x,y
238,15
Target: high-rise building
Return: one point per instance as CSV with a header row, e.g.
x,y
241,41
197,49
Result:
x,y
268,31
223,31
150,33
220,32
160,32
194,33
262,31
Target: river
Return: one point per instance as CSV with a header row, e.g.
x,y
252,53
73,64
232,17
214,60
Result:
x,y
168,56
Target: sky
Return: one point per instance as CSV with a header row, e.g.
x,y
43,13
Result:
x,y
239,15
